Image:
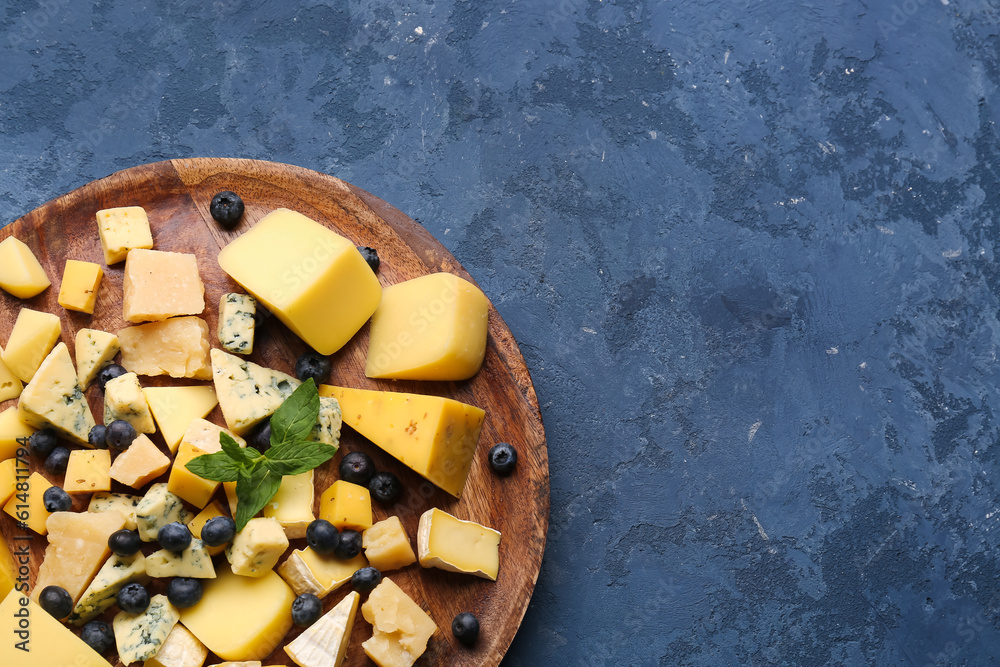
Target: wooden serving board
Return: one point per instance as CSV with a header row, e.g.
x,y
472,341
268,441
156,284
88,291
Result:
x,y
176,194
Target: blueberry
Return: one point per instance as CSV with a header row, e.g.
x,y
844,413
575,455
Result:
x,y
371,256
503,458
366,579
465,627
385,487
56,500
218,531
41,443
133,598
108,373
349,545
322,536
57,461
57,601
98,437
260,439
98,635
357,468
312,365
306,609
120,434
227,208
124,542
174,537
184,592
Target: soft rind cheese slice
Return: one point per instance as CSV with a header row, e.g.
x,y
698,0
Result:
x,y
194,562
174,408
95,349
324,643
452,544
34,335
102,592
12,429
55,398
401,628
309,572
118,502
156,509
181,649
10,384
248,393
140,636
236,323
50,643
124,400
21,274
78,546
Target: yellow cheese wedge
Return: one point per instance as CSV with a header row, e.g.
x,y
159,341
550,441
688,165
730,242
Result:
x,y
55,398
346,505
178,347
8,478
324,643
32,338
160,285
12,428
174,408
212,510
309,572
292,505
47,641
8,568
80,284
20,272
436,437
241,618
187,485
122,229
312,279
28,507
10,384
455,545
95,349
386,545
401,628
140,464
88,471
78,546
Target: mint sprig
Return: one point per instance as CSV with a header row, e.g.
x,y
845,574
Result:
x,y
258,475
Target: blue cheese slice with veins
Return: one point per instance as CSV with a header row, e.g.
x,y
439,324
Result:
x,y
94,350
140,636
248,393
194,562
324,643
102,593
55,398
327,428
236,323
123,399
257,548
158,508
181,649
119,502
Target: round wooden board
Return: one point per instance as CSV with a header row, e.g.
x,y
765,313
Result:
x,y
176,195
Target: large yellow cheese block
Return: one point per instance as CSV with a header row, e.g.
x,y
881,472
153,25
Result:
x,y
400,627
160,285
434,436
78,546
10,384
312,279
11,429
20,272
451,544
80,284
178,347
28,507
241,618
55,398
47,643
174,408
122,229
34,335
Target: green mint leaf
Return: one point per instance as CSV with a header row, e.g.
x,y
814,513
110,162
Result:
x,y
233,449
294,458
217,467
253,492
297,415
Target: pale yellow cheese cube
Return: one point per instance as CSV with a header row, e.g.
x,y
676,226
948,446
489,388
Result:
x,y
80,284
178,347
346,505
174,408
12,429
257,548
20,272
124,400
292,505
160,285
122,229
78,546
386,545
88,471
95,349
10,384
28,507
140,464
400,627
34,335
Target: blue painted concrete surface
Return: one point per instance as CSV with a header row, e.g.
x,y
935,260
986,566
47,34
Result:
x,y
748,248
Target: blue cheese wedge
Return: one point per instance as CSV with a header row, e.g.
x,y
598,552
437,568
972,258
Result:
x,y
181,649
194,562
123,399
236,323
140,636
257,548
158,508
54,397
120,502
327,428
102,593
248,393
324,643
94,350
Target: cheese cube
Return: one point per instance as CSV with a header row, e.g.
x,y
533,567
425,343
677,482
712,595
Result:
x,y
436,437
401,628
117,502
102,592
20,272
27,507
428,328
8,570
457,546
231,499
187,485
248,393
122,229
346,505
94,350
327,428
292,505
309,572
312,279
178,348
212,510
205,436
174,408
194,562
10,384
8,479
156,509
89,470
324,643
241,618
140,464
11,430
386,545
51,642
160,285
257,548
55,398
80,283
181,649
140,636
124,400
32,338
78,546
236,323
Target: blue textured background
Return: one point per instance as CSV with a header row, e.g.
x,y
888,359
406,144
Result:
x,y
748,249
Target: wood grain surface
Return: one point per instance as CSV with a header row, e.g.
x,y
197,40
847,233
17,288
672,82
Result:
x,y
176,194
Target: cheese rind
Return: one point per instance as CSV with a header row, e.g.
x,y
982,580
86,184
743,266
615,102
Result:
x,y
174,408
78,546
10,384
122,229
292,504
160,285
11,429
140,464
118,502
181,649
88,471
257,548
324,643
55,398
309,572
156,509
400,627
346,505
452,544
51,643
21,274
31,340
236,323
102,593
94,350
29,506
194,562
248,393
387,546
124,400
80,284
177,347
140,636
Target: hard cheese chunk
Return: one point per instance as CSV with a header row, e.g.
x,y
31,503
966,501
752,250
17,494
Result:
x,y
80,283
212,510
174,408
32,338
194,562
8,479
11,430
140,636
401,628
156,509
429,328
257,548
236,323
205,436
140,464
55,398
78,546
49,642
181,649
102,592
160,285
29,506
10,384
88,471
187,485
451,544
312,279
124,400
346,505
386,545
309,572
20,272
94,350
292,505
248,393
178,348
327,428
116,502
241,618
122,229
324,643
436,437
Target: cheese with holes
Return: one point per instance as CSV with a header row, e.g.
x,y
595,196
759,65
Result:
x,y
140,464
181,649
292,505
124,400
452,544
55,398
94,350
117,502
248,393
78,546
10,384
324,643
187,485
212,510
435,437
400,627
28,507
122,229
346,505
194,562
102,593
156,509
205,436
140,636
88,471
20,272
160,285
241,618
12,429
178,348
328,423
386,545
34,335
236,323
174,408
309,572
257,548
49,643
80,283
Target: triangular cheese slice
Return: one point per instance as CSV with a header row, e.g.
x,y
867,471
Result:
x,y
94,350
78,547
174,408
49,642
55,398
248,393
324,643
102,592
